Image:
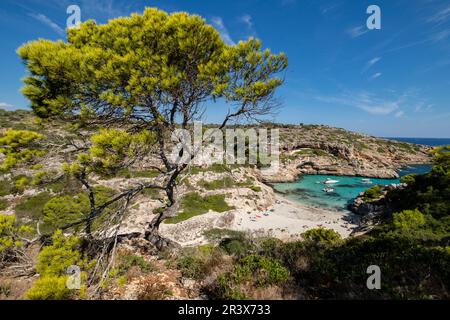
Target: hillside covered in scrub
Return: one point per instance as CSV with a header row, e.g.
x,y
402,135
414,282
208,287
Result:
x,y
319,149
89,181
40,198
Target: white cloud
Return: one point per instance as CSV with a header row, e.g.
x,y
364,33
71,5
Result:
x,y
440,16
370,63
399,114
365,101
373,61
220,26
441,35
47,21
247,19
356,32
376,75
5,105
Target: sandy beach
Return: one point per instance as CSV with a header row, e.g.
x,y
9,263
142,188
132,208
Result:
x,y
285,220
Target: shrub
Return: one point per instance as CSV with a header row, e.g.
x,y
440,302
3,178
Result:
x,y
52,264
6,188
408,219
154,289
32,207
252,271
197,263
19,146
10,234
238,247
321,235
224,183
64,210
219,234
193,205
373,193
3,204
50,288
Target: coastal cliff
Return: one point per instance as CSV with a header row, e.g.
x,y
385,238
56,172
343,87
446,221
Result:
x,y
318,149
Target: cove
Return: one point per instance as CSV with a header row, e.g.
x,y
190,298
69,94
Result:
x,y
309,189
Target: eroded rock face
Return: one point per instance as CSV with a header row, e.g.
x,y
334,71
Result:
x,y
370,211
326,150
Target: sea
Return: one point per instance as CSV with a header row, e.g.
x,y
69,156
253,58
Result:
x,y
432,142
308,189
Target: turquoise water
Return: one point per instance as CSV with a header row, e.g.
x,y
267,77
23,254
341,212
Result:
x,y
309,189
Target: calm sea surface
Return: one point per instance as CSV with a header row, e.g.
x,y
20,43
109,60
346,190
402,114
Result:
x,y
309,189
432,142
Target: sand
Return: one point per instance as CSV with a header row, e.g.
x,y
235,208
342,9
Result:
x,y
287,219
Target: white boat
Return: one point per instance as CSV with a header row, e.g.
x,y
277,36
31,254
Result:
x,y
366,181
331,181
328,190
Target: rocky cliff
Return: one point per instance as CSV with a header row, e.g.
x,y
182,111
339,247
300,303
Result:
x,y
316,149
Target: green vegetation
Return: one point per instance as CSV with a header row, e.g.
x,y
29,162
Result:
x,y
322,235
216,168
226,183
32,207
251,271
52,264
197,263
19,146
193,205
6,188
408,219
63,210
372,194
10,236
312,152
3,204
219,234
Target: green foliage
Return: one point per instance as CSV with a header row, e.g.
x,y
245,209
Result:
x,y
408,219
216,168
373,193
238,246
32,207
112,148
198,263
429,193
10,233
6,188
3,204
256,188
52,264
224,183
63,210
19,146
251,271
219,234
128,260
321,235
150,57
50,288
193,205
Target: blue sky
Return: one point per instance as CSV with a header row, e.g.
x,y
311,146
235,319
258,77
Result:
x,y
389,82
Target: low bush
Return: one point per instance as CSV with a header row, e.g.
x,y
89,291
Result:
x,y
194,204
